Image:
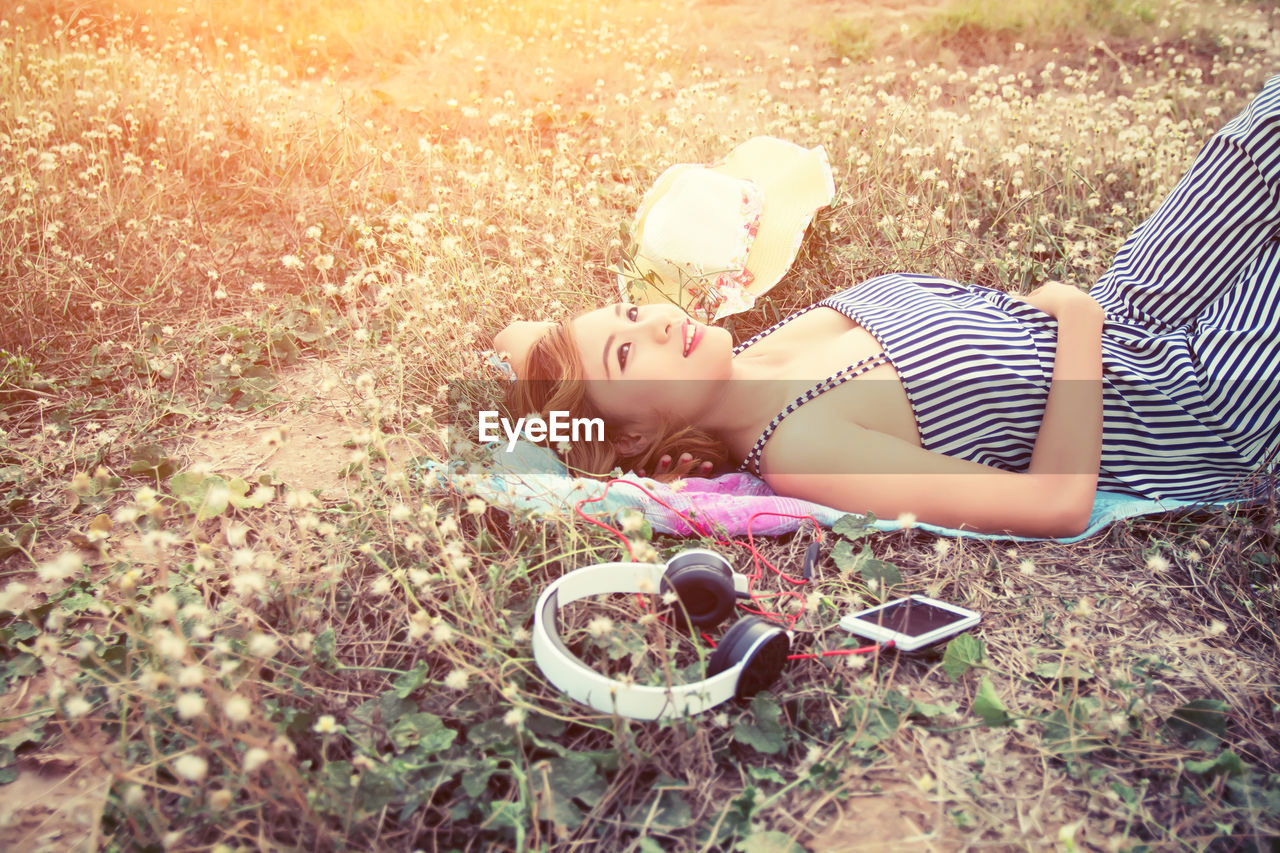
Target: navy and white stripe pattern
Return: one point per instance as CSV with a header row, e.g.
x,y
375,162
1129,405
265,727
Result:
x,y
1191,343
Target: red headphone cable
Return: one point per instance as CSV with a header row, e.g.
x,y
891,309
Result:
x,y
757,558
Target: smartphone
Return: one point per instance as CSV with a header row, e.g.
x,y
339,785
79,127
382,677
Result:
x,y
911,623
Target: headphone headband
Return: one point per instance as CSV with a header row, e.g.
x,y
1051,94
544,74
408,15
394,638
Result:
x,y
582,683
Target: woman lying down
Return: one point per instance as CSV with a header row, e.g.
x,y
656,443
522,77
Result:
x,y
960,404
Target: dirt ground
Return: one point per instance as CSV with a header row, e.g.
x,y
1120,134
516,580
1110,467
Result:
x,y
304,443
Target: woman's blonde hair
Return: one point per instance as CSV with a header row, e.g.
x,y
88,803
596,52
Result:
x,y
554,380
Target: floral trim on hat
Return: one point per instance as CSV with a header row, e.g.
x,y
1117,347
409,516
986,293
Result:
x,y
720,293
735,298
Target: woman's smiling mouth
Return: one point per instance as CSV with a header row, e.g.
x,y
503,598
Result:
x,y
692,334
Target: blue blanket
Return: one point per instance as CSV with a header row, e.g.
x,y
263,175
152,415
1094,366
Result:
x,y
532,479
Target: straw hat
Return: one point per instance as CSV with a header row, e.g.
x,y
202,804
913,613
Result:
x,y
717,237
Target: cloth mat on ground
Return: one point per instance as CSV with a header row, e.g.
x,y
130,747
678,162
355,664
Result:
x,y
532,478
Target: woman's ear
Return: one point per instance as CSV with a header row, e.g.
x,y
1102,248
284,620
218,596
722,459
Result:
x,y
631,442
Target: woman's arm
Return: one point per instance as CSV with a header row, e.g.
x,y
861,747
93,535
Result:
x,y
1069,443
874,472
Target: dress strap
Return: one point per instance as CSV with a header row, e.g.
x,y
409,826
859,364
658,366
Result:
x,y
775,327
752,463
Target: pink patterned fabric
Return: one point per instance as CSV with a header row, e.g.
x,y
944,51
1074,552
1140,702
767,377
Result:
x,y
727,504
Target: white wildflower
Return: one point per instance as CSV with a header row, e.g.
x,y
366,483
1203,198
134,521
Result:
x,y
442,633
632,522
168,644
855,662
14,591
419,624
164,606
600,626
61,567
237,534
247,583
191,767
236,709
243,558
263,646
191,676
255,758
190,705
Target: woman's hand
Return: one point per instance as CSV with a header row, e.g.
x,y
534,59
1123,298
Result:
x,y
664,465
1056,298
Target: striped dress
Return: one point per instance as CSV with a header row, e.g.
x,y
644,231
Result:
x,y
1190,344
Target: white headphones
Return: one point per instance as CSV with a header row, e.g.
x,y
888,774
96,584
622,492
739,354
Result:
x,y
748,659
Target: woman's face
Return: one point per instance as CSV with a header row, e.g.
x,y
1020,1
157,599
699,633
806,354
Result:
x,y
646,359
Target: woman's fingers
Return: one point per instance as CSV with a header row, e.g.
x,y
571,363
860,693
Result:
x,y
1050,296
664,465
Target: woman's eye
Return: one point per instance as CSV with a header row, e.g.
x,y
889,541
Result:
x,y
633,313
622,355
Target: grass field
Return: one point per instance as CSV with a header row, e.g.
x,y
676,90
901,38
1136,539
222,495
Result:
x,y
246,250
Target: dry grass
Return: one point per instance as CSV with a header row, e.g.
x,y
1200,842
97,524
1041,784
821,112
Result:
x,y
199,206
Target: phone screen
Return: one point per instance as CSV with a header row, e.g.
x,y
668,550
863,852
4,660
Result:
x,y
912,618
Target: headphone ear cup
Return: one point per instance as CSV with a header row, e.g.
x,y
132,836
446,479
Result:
x,y
703,581
763,646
